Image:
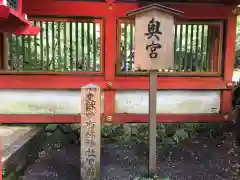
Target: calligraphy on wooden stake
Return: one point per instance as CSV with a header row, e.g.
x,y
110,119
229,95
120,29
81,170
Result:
x,y
90,132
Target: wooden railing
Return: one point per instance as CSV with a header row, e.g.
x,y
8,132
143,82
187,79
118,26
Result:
x,y
61,46
197,46
73,45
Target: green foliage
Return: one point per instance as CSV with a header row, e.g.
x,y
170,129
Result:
x,y
237,47
238,84
51,127
112,131
167,134
238,34
4,172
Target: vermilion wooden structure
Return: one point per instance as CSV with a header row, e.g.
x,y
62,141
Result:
x,y
12,19
107,79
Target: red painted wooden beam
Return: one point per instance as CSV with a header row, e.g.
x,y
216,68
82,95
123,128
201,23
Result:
x,y
225,2
169,118
116,118
76,82
70,8
12,21
29,30
171,83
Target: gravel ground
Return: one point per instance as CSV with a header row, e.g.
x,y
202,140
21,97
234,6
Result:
x,y
202,158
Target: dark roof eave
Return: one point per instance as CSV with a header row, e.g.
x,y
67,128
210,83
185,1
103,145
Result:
x,y
156,7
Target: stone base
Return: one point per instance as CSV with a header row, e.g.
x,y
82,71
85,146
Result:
x,y
20,146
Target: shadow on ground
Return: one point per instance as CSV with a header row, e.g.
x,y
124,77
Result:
x,y
202,158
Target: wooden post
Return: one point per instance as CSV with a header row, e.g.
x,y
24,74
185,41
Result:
x,y
154,49
90,132
152,122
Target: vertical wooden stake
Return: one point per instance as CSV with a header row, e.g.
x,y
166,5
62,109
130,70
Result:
x,y
152,121
90,132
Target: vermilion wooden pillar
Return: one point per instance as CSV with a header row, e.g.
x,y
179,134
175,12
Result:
x,y
226,100
19,6
1,50
110,51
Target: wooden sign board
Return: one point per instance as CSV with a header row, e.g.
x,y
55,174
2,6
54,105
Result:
x,y
90,132
154,37
154,50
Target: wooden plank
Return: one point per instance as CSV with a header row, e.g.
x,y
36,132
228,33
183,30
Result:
x,y
90,132
150,51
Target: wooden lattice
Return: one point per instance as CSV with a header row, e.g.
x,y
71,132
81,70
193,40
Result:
x,y
60,47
